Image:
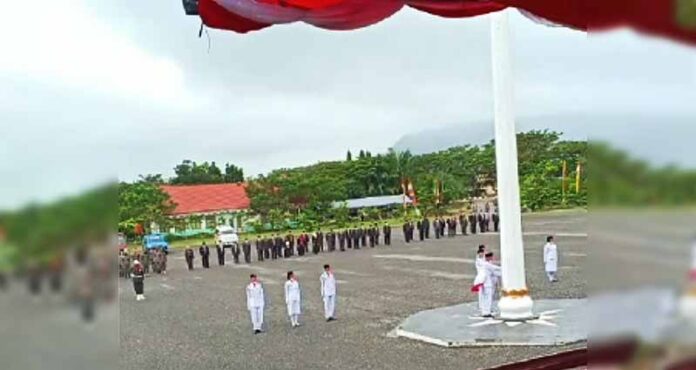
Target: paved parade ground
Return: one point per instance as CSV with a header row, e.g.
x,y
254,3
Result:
x,y
198,319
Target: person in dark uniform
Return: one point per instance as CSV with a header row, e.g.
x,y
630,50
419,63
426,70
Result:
x,y
356,239
404,227
259,249
496,221
464,223
189,255
386,229
349,238
481,222
271,245
436,228
138,276
220,255
342,240
375,229
290,244
267,248
472,222
421,229
246,249
236,250
204,251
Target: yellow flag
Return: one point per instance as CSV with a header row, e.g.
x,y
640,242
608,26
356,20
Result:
x,y
578,170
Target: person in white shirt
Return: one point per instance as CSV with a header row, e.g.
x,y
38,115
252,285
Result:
x,y
551,259
328,293
292,298
480,275
490,284
255,303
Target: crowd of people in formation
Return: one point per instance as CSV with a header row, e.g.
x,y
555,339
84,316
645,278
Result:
x,y
279,247
290,245
149,259
488,274
478,222
256,301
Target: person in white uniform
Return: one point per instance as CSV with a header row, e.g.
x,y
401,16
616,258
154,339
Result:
x,y
292,298
490,284
551,259
477,286
255,303
328,292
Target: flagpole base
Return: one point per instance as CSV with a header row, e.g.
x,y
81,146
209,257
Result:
x,y
516,308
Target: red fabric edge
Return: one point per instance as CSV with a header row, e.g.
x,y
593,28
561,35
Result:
x,y
215,16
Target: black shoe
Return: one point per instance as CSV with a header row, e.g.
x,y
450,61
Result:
x,y
257,331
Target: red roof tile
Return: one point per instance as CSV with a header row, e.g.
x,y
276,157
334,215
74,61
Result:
x,y
207,198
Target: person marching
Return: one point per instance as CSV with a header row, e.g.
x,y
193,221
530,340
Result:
x,y
138,276
328,292
220,254
188,253
293,298
551,259
386,230
255,303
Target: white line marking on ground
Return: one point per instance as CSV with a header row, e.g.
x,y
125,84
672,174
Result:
x,y
347,272
431,273
421,258
570,235
166,286
574,254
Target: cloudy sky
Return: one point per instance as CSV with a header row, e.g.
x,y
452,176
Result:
x,y
94,90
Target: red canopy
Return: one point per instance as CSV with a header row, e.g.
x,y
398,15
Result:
x,y
658,17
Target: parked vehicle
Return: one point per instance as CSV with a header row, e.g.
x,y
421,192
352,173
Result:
x,y
226,236
156,241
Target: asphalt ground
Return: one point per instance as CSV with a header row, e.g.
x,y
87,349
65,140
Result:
x,y
198,319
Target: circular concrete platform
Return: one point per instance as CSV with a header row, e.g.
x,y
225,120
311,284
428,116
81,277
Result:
x,y
559,322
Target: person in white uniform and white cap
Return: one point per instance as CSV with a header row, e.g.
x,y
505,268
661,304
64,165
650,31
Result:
x,y
477,286
490,284
328,292
551,259
255,303
293,298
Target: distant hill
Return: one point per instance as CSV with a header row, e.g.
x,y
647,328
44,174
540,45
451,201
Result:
x,y
660,140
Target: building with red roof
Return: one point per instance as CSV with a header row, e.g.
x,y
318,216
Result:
x,y
214,204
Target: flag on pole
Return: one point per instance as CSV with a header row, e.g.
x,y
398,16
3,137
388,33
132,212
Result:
x,y
412,193
404,192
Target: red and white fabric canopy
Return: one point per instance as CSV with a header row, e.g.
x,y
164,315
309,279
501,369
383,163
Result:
x,y
658,17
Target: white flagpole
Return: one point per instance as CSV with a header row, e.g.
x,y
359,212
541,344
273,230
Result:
x,y
515,302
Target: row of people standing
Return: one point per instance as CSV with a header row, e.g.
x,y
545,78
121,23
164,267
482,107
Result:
x,y
277,246
473,223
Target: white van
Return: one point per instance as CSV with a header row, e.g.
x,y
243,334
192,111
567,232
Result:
x,y
226,236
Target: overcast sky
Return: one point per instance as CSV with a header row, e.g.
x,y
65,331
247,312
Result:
x,y
94,90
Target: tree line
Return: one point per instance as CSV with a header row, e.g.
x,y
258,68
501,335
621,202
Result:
x,y
306,193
